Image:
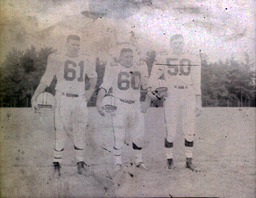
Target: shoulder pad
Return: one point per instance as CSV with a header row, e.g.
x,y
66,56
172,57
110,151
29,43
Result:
x,y
57,52
86,55
190,52
193,54
160,57
54,55
113,62
59,55
140,62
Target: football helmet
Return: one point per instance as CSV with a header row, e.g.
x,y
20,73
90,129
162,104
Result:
x,y
108,103
46,102
159,89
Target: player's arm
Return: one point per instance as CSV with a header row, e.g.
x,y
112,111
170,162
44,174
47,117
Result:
x,y
144,75
144,83
92,75
104,88
44,82
157,71
196,81
88,93
101,93
146,104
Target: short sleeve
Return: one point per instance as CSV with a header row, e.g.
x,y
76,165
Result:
x,y
91,68
108,78
144,74
157,71
196,75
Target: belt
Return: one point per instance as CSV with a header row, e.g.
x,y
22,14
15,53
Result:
x,y
181,87
127,101
70,95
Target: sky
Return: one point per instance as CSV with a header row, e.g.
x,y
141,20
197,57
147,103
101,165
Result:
x,y
218,28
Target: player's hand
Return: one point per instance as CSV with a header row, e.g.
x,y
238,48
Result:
x,y
144,107
152,95
34,104
198,110
100,109
87,95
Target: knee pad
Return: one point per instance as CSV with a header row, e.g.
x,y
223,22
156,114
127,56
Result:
x,y
118,144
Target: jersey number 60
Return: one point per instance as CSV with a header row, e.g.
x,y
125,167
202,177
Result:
x,y
124,80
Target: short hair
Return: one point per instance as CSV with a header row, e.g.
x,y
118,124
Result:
x,y
73,37
176,36
124,50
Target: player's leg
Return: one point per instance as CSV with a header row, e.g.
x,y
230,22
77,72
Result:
x,y
80,121
137,133
61,117
171,107
119,125
189,119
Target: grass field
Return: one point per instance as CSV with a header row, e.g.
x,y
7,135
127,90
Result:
x,y
224,151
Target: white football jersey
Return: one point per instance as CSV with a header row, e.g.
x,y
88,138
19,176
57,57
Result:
x,y
125,82
69,71
178,70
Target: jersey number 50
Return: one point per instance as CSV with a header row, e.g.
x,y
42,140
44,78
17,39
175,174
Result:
x,y
124,80
183,66
70,71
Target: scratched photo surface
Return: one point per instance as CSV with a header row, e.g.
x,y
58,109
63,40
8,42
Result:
x,y
115,98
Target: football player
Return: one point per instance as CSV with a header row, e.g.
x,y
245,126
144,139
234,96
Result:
x,y
70,69
125,76
182,72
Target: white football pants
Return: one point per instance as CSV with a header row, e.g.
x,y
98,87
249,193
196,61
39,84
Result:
x,y
128,116
180,102
71,114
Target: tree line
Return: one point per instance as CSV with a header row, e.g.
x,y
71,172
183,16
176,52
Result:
x,y
228,83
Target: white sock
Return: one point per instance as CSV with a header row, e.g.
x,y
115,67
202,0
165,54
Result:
x,y
169,153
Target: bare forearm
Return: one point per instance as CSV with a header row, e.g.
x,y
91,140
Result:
x,y
90,91
198,100
147,101
40,89
156,73
102,92
93,82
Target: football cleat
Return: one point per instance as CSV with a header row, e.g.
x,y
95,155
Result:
x,y
57,167
170,163
142,166
118,167
190,165
81,168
